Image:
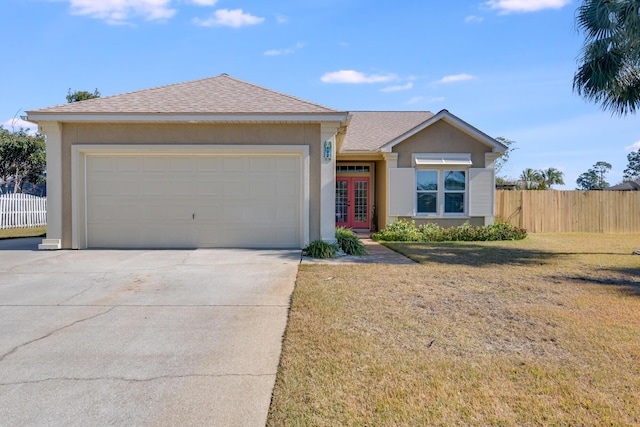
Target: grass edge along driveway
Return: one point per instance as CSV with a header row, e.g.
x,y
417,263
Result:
x,y
540,331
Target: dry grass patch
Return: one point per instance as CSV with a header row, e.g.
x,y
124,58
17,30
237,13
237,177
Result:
x,y
537,332
11,233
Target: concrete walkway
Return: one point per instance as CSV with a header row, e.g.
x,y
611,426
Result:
x,y
378,254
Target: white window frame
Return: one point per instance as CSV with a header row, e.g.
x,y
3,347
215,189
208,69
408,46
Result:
x,y
440,204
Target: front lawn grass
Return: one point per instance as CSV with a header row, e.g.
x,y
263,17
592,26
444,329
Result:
x,y
11,233
544,331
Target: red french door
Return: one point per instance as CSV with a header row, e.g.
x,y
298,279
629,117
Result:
x,y
352,202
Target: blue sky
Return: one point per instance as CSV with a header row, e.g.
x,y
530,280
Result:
x,y
504,66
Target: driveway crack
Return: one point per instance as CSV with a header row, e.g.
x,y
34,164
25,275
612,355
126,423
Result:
x,y
16,348
95,282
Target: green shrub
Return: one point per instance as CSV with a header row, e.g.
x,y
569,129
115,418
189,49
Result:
x,y
506,231
399,231
431,232
321,249
349,242
403,231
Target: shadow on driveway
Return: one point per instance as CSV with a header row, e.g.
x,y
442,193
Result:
x,y
20,244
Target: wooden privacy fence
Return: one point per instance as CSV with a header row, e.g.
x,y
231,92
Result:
x,y
551,211
22,210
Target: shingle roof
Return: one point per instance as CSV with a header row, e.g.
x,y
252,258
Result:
x,y
370,130
626,186
221,94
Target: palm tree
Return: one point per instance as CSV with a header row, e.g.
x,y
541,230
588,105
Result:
x,y
552,176
532,180
609,69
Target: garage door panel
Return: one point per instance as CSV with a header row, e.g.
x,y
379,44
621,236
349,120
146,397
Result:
x,y
262,187
153,187
261,164
288,164
287,186
99,187
234,164
181,163
178,213
235,187
208,164
125,165
193,201
101,164
207,188
180,186
152,163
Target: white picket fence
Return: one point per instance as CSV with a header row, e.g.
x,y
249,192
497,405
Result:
x,y
22,210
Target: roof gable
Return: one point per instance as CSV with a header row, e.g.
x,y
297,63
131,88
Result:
x,y
221,94
453,120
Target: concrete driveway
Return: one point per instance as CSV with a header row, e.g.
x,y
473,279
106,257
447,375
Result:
x,y
171,337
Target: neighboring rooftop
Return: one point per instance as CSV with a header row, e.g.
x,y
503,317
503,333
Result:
x,y
221,94
626,186
370,130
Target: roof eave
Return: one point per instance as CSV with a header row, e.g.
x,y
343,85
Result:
x,y
36,117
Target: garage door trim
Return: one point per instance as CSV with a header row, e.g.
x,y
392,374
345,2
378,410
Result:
x,y
79,155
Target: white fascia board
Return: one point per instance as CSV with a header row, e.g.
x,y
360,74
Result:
x,y
452,120
197,118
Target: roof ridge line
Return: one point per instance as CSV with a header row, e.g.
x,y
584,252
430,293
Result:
x,y
279,93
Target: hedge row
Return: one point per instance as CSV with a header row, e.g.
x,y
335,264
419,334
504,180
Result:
x,y
403,231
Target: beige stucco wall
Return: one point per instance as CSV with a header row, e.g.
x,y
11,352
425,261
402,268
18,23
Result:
x,y
441,137
196,134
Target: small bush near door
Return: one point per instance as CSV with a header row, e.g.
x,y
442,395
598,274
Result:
x,y
403,231
321,249
349,242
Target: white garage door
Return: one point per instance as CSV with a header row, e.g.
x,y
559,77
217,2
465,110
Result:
x,y
189,201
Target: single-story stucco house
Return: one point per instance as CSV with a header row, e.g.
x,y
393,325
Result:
x,y
220,162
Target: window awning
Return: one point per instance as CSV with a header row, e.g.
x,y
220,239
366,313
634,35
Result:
x,y
442,159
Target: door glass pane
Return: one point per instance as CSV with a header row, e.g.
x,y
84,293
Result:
x,y
361,201
454,202
454,180
341,201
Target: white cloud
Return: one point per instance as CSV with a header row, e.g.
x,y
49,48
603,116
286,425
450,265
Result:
x,y
398,88
282,19
16,124
509,6
356,77
415,100
204,2
473,19
455,78
119,11
633,147
229,18
286,51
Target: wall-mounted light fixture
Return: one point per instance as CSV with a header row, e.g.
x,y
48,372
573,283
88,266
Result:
x,y
326,149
